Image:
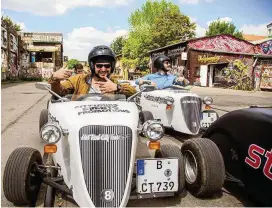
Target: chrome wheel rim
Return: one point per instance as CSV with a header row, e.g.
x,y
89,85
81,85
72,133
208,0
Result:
x,y
191,168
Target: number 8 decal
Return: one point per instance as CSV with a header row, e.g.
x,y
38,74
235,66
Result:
x,y
107,195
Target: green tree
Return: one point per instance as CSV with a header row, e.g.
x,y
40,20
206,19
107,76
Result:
x,y
172,27
10,23
118,44
72,63
223,27
143,34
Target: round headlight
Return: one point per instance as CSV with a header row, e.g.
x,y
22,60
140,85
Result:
x,y
50,133
208,100
153,130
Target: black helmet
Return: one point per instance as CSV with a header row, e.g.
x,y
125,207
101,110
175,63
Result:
x,y
158,61
101,53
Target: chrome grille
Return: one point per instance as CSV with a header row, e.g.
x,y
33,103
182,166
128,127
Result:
x,y
106,163
191,108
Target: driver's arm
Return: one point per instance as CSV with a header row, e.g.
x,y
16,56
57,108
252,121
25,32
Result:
x,y
182,81
126,89
65,87
139,81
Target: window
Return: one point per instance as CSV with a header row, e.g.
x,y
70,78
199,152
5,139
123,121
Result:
x,y
197,71
174,61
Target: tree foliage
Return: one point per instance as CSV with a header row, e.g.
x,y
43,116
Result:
x,y
223,27
10,23
118,44
156,24
72,63
172,27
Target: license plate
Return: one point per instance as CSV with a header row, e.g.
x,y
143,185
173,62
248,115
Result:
x,y
157,175
207,118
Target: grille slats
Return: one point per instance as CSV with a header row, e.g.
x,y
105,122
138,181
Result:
x,y
191,108
106,163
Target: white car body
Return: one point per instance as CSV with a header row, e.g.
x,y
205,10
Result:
x,y
184,115
70,154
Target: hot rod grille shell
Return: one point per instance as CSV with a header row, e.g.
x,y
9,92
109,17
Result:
x,y
191,108
106,163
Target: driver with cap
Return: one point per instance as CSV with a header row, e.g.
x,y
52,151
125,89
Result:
x,y
102,63
162,79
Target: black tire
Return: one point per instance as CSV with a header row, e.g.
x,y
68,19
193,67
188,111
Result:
x,y
209,174
170,150
145,116
22,181
43,118
49,199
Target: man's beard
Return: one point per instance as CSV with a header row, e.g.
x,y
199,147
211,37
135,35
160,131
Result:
x,y
99,77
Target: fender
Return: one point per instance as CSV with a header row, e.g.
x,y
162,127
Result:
x,y
249,133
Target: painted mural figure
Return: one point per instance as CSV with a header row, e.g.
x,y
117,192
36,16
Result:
x,y
162,78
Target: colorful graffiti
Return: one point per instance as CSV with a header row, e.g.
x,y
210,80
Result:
x,y
4,58
222,43
12,64
266,47
266,81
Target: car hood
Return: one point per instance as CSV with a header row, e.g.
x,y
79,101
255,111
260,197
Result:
x,y
82,113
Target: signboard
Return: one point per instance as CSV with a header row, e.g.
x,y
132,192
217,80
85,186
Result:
x,y
183,56
46,38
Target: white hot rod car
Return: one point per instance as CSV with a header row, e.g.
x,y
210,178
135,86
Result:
x,y
177,108
90,156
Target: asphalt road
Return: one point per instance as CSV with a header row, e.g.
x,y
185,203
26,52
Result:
x,y
21,106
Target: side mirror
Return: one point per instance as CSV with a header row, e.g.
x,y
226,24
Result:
x,y
42,85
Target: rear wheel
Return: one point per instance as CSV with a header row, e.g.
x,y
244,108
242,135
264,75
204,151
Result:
x,y
170,150
22,180
43,118
204,167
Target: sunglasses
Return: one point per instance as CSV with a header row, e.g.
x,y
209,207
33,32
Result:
x,y
107,66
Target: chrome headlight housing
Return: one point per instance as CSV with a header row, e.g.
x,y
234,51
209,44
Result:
x,y
50,133
207,100
153,130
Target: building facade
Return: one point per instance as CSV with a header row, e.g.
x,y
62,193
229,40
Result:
x,y
44,53
9,51
204,60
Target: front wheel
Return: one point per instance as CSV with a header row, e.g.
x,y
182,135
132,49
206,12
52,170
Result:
x,y
204,167
22,180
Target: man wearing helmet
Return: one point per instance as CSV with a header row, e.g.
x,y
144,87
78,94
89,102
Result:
x,y
102,62
162,79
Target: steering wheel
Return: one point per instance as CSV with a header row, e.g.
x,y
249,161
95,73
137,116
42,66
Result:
x,y
112,97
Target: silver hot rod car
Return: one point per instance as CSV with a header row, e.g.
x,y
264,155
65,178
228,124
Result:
x,y
90,157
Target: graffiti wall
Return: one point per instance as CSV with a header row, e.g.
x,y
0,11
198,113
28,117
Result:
x,y
222,43
266,78
266,47
13,65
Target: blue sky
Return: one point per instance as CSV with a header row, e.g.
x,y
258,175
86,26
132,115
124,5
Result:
x,y
86,23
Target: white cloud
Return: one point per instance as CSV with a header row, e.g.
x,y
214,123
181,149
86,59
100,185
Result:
x,y
189,1
200,31
254,29
226,19
22,26
81,40
192,19
57,7
194,1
